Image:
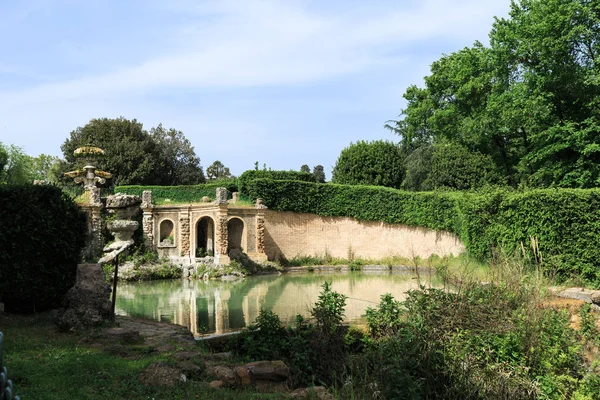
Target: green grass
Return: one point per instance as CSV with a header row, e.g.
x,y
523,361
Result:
x,y
45,364
460,266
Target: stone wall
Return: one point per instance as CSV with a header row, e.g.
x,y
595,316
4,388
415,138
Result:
x,y
293,234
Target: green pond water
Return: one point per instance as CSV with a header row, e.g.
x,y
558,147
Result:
x,y
208,307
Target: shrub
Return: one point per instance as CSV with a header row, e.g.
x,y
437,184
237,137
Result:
x,y
250,175
42,235
449,166
385,319
377,163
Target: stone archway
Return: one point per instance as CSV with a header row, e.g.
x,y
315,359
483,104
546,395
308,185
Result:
x,y
205,237
235,230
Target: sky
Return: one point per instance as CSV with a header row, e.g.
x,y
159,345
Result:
x,y
281,82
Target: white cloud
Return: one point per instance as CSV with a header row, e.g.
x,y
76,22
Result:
x,y
259,43
226,58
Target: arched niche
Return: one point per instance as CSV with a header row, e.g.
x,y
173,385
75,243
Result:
x,y
235,231
205,237
166,232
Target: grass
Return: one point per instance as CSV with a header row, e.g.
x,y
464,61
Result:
x,y
45,364
459,267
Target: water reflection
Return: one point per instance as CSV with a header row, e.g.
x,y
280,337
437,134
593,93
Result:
x,y
218,307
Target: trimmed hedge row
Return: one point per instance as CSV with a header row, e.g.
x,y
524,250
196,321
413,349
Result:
x,y
252,174
177,194
566,222
43,233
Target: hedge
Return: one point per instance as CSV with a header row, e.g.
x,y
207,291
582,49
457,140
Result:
x,y
566,222
177,194
43,233
252,174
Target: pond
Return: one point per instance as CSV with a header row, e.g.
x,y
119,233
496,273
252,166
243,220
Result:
x,y
209,307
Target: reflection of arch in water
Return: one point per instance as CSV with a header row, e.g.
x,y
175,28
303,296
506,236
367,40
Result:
x,y
205,237
235,234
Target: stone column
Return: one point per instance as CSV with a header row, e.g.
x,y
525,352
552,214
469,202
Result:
x,y
184,229
260,230
148,219
96,239
221,256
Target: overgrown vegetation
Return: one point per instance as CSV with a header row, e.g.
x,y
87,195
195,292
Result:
x,y
496,340
562,222
42,237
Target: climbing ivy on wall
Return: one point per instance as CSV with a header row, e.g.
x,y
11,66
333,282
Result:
x,y
565,222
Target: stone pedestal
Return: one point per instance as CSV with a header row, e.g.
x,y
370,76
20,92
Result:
x,y
87,304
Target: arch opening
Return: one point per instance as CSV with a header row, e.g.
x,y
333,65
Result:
x,y
235,229
166,233
205,237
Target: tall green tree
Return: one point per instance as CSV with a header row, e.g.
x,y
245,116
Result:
x,y
529,100
134,156
305,168
15,165
44,167
217,170
319,174
378,163
180,164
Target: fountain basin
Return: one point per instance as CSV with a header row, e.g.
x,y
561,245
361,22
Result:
x,y
122,229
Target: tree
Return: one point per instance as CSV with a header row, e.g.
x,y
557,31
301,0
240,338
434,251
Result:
x,y
134,156
370,163
181,166
305,168
417,169
15,165
44,167
455,167
530,100
3,162
319,174
217,170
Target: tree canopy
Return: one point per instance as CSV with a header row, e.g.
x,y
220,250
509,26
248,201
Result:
x,y
217,170
134,156
377,163
529,100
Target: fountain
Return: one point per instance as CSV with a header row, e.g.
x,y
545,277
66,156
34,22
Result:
x,y
88,175
122,206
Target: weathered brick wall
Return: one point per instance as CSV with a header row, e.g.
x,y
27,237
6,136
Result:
x,y
293,234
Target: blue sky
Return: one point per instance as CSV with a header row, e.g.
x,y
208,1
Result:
x,y
282,82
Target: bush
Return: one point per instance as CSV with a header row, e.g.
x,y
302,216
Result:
x,y
492,341
377,163
250,175
563,222
42,235
449,166
179,194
